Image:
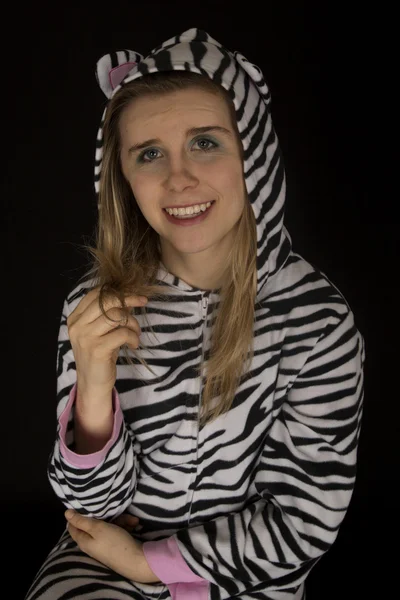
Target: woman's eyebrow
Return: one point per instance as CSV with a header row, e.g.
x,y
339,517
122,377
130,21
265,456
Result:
x,y
189,132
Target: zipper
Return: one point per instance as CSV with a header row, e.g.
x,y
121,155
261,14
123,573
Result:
x,y
204,310
204,307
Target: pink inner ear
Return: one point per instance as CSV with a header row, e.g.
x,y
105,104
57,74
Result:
x,y
118,73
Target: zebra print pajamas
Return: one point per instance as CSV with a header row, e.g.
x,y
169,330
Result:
x,y
253,500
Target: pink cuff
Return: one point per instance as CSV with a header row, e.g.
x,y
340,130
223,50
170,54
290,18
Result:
x,y
166,562
88,461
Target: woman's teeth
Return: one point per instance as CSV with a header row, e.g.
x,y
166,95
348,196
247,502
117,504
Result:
x,y
188,213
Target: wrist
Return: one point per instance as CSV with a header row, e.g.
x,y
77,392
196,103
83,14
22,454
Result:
x,y
93,425
91,399
146,574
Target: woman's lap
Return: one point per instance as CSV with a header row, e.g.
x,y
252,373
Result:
x,y
69,573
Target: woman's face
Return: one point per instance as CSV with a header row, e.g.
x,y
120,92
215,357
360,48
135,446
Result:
x,y
168,162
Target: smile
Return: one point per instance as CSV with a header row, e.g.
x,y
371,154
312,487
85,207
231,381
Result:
x,y
194,217
190,210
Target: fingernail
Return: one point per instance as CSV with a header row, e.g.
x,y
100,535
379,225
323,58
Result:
x,y
69,514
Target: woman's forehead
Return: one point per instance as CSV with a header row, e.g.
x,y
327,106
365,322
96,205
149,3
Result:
x,y
190,110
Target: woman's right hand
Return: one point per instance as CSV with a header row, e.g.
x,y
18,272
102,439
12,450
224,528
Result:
x,y
96,340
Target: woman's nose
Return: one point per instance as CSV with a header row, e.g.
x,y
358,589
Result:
x,y
181,174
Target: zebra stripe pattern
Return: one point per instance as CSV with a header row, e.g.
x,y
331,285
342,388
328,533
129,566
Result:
x,y
255,498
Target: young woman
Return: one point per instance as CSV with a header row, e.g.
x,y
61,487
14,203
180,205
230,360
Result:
x,y
207,437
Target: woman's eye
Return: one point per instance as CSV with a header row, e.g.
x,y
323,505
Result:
x,y
207,141
145,153
151,154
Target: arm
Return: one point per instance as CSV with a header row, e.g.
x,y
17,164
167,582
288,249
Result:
x,y
303,482
93,420
100,484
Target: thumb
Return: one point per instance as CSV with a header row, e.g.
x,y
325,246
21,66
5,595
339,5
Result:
x,y
79,521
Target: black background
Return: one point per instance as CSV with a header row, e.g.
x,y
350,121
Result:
x,y
331,73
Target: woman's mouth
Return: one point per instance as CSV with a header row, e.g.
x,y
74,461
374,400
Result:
x,y
188,220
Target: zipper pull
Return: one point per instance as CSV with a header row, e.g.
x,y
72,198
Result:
x,y
204,307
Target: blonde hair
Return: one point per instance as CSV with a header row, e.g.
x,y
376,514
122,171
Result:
x,y
126,255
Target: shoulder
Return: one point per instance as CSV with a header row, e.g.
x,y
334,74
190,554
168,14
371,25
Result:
x,y
300,290
312,317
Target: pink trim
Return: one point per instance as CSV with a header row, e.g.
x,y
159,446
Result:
x,y
117,74
88,461
166,562
189,591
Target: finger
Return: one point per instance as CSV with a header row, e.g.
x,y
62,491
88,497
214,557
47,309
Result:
x,y
102,346
126,518
126,521
86,524
116,319
80,537
83,304
92,311
131,518
125,524
91,306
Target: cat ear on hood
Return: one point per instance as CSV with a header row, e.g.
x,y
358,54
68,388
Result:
x,y
256,76
112,68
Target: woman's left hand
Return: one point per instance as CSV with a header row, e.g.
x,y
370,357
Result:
x,y
111,545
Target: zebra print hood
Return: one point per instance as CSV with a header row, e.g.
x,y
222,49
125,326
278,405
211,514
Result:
x,y
195,50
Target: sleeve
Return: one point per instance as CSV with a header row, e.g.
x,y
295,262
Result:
x,y
99,485
165,560
304,480
87,460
